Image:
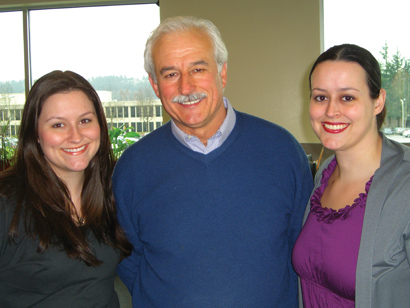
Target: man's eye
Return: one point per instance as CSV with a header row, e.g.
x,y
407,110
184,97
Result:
x,y
170,75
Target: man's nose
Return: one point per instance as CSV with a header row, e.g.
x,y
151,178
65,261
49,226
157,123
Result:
x,y
186,84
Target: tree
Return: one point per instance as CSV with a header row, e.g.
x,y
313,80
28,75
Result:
x,y
13,86
145,99
395,73
6,91
5,118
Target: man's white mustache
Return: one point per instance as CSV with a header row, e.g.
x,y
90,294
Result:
x,y
189,98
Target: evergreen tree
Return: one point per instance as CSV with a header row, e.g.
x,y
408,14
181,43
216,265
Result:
x,y
395,73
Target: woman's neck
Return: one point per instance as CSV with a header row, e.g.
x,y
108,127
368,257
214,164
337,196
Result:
x,y
360,162
75,186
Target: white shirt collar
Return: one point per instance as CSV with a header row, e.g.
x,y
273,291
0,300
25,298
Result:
x,y
215,141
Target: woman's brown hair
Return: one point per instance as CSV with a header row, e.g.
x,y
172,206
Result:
x,y
42,197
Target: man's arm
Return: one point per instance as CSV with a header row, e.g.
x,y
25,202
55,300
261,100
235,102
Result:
x,y
303,189
128,269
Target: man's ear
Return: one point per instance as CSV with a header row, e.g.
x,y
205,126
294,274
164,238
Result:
x,y
224,75
153,85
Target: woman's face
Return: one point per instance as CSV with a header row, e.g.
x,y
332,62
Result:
x,y
342,113
68,132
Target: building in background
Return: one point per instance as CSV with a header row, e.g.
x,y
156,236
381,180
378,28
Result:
x,y
142,115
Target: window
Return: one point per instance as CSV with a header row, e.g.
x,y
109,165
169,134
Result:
x,y
139,127
12,69
103,43
158,111
11,53
120,113
148,111
14,129
15,114
134,126
381,27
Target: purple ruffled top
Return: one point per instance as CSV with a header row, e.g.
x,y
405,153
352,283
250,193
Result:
x,y
326,251
328,215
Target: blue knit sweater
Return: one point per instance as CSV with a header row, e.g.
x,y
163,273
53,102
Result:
x,y
213,230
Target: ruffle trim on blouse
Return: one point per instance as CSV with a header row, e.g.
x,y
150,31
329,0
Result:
x,y
328,215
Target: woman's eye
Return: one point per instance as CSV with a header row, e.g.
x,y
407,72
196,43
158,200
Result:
x,y
320,98
58,125
347,98
85,121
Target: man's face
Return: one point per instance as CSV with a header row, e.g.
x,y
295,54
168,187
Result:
x,y
188,82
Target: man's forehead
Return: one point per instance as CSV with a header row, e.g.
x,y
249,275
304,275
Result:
x,y
172,37
184,32
193,48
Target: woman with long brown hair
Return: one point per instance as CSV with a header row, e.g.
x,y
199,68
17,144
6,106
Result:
x,y
60,241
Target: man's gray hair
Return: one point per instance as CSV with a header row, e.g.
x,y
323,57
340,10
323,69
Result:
x,y
182,24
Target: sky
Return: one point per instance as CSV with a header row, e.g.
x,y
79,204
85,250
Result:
x,y
93,42
369,24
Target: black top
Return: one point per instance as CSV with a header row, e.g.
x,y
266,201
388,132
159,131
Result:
x,y
52,279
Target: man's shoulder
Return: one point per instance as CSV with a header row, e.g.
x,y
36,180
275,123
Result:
x,y
151,139
147,147
256,125
153,136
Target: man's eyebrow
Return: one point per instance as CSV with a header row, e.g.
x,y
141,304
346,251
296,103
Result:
x,y
200,62
170,68
166,69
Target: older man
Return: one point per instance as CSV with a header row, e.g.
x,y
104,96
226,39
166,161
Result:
x,y
213,200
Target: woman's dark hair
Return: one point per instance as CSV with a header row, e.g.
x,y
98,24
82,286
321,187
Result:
x,y
42,195
354,53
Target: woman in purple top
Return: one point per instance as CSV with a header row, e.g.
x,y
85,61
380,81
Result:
x,y
353,250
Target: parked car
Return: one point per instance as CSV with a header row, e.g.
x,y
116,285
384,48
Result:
x,y
406,133
398,130
387,131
